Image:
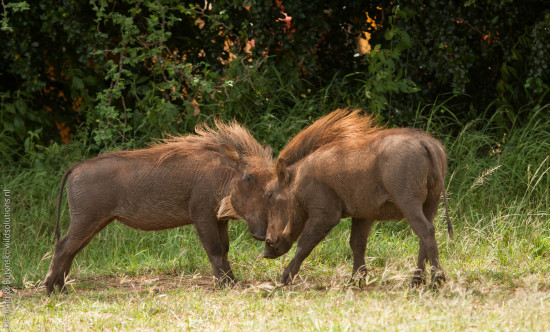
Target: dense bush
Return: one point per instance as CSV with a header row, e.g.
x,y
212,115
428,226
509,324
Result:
x,y
490,53
116,73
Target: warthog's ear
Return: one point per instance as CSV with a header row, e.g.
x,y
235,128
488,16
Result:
x,y
230,157
282,173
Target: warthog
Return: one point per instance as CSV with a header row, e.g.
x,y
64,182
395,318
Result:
x,y
377,175
179,182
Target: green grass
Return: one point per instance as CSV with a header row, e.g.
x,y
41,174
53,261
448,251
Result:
x,y
497,265
159,302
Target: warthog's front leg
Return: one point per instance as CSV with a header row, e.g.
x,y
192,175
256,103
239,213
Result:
x,y
223,232
315,230
215,240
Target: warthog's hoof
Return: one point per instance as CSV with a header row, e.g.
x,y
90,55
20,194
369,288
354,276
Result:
x,y
51,289
418,280
356,282
52,283
226,281
438,279
286,279
358,278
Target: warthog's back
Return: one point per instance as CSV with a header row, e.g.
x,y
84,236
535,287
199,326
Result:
x,y
368,173
145,192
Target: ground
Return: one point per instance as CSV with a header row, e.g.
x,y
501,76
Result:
x,y
175,302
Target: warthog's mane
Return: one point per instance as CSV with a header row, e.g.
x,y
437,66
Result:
x,y
341,124
211,139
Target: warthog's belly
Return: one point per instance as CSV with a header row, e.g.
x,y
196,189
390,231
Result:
x,y
388,211
385,211
154,223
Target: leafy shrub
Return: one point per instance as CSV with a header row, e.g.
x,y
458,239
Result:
x,y
483,51
128,71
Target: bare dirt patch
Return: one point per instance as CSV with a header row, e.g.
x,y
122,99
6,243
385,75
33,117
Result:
x,y
149,283
377,281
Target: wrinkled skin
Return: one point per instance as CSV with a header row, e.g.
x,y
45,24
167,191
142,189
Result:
x,y
160,188
385,175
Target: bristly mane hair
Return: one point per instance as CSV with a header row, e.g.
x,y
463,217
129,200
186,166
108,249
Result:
x,y
236,136
338,125
211,139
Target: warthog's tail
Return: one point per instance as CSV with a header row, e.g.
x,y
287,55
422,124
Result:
x,y
63,180
440,178
449,225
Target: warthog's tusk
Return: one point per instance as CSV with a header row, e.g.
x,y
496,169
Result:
x,y
226,211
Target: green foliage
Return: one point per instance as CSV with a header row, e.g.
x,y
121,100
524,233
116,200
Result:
x,y
384,76
484,51
132,70
142,34
14,7
126,72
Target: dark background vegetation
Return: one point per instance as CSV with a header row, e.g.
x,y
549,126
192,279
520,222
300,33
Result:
x,y
113,74
82,78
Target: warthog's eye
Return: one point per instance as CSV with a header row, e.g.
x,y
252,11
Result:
x,y
270,194
249,179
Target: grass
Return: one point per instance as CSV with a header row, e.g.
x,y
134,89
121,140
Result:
x,y
176,302
497,265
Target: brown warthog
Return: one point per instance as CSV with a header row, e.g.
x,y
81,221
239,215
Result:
x,y
179,182
376,175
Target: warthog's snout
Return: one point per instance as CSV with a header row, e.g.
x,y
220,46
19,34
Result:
x,y
258,236
257,224
269,252
275,248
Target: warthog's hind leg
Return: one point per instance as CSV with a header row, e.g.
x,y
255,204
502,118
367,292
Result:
x,y
419,277
425,230
360,230
80,233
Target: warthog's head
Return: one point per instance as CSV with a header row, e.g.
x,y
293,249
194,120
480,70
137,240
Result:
x,y
284,215
248,188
